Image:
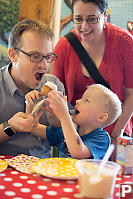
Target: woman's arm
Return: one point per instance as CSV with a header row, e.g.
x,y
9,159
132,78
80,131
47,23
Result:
x,y
123,119
126,114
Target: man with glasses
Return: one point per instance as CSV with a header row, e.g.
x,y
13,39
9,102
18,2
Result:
x,y
30,52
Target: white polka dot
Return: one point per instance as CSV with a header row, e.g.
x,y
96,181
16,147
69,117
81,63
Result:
x,y
128,182
117,194
2,187
68,173
2,174
118,178
117,185
62,175
51,193
55,184
17,184
17,198
46,179
10,193
68,190
42,187
25,190
126,176
68,170
14,172
31,182
77,186
37,196
24,177
8,179
2,156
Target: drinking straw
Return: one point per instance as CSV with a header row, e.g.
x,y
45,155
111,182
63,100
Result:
x,y
106,157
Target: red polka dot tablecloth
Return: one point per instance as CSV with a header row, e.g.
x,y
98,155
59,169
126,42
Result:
x,y
17,185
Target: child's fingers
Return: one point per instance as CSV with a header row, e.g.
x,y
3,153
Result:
x,y
60,94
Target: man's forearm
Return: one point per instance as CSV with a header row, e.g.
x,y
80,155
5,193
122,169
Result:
x,y
3,135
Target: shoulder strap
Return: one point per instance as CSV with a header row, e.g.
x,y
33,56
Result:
x,y
85,59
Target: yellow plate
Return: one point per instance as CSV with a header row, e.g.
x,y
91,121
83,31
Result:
x,y
3,165
59,168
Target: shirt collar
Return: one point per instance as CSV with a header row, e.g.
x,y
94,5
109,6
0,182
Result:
x,y
10,84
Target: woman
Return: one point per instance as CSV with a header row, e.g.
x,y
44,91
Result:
x,y
111,49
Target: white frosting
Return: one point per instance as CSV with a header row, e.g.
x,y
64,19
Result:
x,y
51,85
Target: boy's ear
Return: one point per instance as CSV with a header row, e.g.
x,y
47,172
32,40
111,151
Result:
x,y
12,55
102,117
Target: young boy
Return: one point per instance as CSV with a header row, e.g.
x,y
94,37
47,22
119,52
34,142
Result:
x,y
98,108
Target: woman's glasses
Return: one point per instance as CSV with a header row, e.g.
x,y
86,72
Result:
x,y
89,20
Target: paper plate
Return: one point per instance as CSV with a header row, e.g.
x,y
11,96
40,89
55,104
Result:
x,y
58,168
3,165
22,162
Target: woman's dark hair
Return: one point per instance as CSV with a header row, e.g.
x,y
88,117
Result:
x,y
102,4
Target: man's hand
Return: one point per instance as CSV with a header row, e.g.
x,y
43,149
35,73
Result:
x,y
30,100
22,122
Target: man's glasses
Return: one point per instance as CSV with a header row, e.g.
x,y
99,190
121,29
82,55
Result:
x,y
37,58
89,20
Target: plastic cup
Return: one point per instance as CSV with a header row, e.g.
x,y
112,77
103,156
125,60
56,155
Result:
x,y
94,185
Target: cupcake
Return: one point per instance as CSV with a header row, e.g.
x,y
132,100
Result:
x,y
47,87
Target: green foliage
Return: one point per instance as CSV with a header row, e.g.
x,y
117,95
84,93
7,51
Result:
x,y
8,14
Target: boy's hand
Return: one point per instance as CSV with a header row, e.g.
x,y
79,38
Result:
x,y
57,103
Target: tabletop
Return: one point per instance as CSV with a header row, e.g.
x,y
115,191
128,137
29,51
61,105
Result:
x,y
17,185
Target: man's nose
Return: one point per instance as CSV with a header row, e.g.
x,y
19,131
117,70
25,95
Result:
x,y
44,65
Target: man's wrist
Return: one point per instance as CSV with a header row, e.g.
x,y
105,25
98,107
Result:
x,y
8,129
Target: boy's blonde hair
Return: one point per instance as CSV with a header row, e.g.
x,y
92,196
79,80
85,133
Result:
x,y
111,103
